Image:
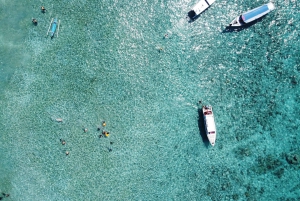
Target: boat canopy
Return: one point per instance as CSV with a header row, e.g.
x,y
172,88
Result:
x,y
210,124
255,13
191,14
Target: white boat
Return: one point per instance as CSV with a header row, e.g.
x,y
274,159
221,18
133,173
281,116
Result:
x,y
210,126
252,15
199,8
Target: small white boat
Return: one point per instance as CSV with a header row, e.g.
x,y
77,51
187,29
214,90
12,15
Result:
x,y
210,125
199,8
252,15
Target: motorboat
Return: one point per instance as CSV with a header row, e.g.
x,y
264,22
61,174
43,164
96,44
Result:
x,y
252,15
210,126
199,8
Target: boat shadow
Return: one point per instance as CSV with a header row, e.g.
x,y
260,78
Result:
x,y
192,20
238,29
202,128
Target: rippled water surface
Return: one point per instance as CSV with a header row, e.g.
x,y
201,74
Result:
x,y
112,62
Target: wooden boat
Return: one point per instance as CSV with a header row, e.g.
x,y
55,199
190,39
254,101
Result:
x,y
210,126
199,8
252,15
53,24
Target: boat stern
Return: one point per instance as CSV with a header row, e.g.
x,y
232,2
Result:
x,y
191,14
235,22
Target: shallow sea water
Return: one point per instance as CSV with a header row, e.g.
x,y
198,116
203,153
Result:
x,y
111,62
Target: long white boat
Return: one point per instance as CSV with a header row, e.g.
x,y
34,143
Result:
x,y
210,126
199,8
252,15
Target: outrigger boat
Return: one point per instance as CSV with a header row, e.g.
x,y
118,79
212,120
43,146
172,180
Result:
x,y
53,24
252,15
210,126
199,8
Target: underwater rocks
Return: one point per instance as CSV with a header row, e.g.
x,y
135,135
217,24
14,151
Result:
x,y
279,172
242,152
277,165
293,158
269,164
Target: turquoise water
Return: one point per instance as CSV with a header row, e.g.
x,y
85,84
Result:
x,y
111,62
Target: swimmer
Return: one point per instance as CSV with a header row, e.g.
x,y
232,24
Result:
x,y
59,119
67,153
43,9
34,21
105,133
103,123
4,194
85,130
62,142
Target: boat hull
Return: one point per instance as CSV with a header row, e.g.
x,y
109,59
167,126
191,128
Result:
x,y
252,15
53,28
210,126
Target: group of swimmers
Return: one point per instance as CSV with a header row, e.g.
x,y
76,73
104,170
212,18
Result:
x,y
34,21
104,133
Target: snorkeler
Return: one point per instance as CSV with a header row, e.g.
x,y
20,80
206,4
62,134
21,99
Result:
x,y
34,21
43,9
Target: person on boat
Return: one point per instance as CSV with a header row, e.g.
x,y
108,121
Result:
x,y
43,9
34,21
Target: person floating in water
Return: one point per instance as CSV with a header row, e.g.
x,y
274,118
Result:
x,y
103,123
43,9
105,133
63,142
59,120
5,194
34,21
